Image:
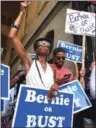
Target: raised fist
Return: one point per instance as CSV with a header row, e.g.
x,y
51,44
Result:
x,y
24,5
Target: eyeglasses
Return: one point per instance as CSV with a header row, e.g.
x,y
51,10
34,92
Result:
x,y
45,43
59,58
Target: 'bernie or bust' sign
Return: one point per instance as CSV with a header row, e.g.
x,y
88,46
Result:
x,y
33,109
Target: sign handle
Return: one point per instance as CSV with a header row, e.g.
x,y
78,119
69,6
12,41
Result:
x,y
83,52
82,80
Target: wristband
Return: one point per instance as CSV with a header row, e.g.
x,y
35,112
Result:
x,y
15,26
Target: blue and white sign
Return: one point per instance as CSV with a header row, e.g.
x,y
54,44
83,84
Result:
x,y
2,106
1,50
5,81
73,52
33,109
5,103
81,101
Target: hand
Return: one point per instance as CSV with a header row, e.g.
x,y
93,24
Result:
x,y
24,5
53,91
92,65
62,80
82,72
65,80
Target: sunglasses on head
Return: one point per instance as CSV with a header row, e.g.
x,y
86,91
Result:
x,y
59,58
45,43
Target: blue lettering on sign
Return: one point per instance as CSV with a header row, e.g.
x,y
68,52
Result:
x,y
38,111
73,52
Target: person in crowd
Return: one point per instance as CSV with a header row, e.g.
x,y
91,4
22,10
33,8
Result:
x,y
62,74
91,112
93,81
39,73
90,90
17,79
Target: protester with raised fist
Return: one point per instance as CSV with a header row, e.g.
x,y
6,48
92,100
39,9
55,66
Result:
x,y
39,74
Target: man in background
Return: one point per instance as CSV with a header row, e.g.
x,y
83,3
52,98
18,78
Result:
x,y
62,74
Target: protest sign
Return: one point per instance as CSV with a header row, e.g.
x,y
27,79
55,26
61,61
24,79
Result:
x,y
81,101
73,52
2,106
80,23
5,103
33,109
5,81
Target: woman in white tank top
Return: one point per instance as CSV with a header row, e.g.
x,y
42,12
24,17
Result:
x,y
33,78
40,76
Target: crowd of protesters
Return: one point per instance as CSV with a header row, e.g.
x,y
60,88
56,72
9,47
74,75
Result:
x,y
39,73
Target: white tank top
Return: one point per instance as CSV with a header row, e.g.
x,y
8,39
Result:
x,y
33,78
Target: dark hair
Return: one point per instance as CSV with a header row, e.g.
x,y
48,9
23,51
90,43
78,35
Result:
x,y
56,50
42,39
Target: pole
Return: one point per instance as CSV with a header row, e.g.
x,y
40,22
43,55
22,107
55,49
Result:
x,y
82,80
83,52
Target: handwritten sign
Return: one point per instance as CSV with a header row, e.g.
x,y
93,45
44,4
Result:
x,y
5,81
81,101
73,52
33,109
80,23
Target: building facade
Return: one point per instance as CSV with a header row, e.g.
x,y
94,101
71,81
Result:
x,y
42,18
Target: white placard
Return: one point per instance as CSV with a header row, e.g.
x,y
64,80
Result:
x,y
80,23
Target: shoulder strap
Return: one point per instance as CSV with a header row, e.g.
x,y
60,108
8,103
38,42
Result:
x,y
39,72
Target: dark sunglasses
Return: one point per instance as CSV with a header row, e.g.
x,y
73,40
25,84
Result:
x,y
59,58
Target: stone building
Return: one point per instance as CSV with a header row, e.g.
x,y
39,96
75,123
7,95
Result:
x,y
43,18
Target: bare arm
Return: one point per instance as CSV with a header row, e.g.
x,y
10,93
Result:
x,y
13,36
16,79
76,73
82,79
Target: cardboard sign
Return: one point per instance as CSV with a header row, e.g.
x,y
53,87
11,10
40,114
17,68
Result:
x,y
5,81
81,101
33,109
80,23
73,52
